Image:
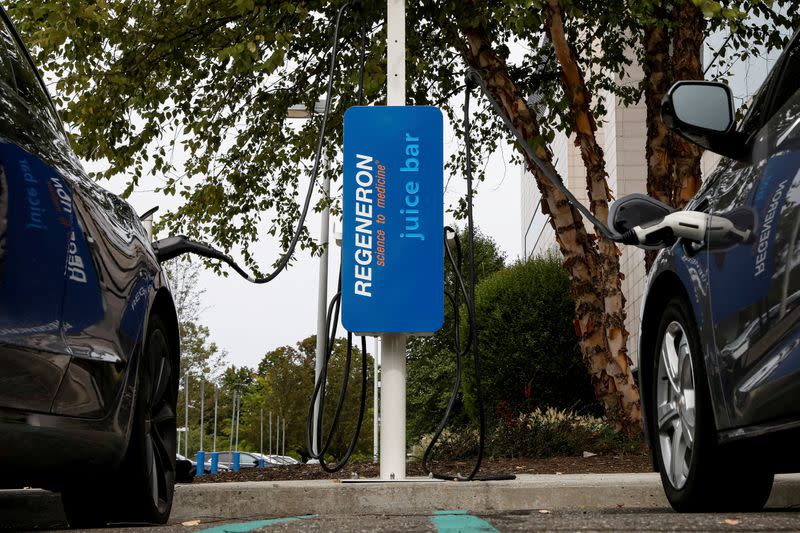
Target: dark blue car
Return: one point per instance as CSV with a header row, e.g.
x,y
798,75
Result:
x,y
720,334
89,348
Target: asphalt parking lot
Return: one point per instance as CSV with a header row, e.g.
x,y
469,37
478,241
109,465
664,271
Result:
x,y
530,520
580,502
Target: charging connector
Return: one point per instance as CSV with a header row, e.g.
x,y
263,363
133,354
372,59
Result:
x,y
693,226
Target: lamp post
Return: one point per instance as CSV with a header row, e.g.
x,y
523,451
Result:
x,y
301,112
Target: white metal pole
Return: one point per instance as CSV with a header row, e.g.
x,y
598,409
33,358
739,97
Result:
x,y
283,448
278,435
322,300
186,417
270,432
393,407
375,378
216,404
393,356
261,439
233,419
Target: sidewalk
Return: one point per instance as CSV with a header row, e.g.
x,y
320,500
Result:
x,y
32,508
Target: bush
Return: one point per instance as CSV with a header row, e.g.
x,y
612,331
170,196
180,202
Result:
x,y
529,351
431,360
550,432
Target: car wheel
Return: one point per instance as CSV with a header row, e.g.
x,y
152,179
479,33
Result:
x,y
697,473
142,489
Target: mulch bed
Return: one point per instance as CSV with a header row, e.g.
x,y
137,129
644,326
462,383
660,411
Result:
x,y
598,464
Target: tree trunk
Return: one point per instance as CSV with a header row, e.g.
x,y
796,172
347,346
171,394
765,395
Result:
x,y
687,45
673,163
585,128
609,375
659,139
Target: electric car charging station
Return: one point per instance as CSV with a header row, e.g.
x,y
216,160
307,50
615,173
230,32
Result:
x,y
392,249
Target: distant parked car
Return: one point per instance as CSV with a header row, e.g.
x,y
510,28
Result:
x,y
283,460
277,460
246,459
220,468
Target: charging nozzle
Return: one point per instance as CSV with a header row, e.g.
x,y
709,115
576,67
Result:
x,y
172,247
694,226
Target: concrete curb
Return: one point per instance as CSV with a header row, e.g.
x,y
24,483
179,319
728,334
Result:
x,y
581,491
23,509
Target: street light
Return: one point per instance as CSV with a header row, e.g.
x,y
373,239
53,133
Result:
x,y
300,111
178,431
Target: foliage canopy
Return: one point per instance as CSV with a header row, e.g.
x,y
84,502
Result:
x,y
196,94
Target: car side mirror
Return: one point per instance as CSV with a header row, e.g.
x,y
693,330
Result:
x,y
702,112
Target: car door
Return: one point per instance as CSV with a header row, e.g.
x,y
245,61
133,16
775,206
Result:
x,y
755,287
35,225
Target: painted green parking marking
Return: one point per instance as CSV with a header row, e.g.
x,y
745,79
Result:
x,y
460,522
242,527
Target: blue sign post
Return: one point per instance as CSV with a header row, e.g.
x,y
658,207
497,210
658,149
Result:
x,y
392,243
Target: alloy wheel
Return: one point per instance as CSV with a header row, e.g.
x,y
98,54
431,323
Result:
x,y
675,404
160,422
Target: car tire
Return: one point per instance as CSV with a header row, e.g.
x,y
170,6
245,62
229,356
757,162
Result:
x,y
142,488
697,473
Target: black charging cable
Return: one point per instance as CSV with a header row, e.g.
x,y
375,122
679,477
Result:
x,y
474,79
174,246
316,446
171,247
455,262
472,340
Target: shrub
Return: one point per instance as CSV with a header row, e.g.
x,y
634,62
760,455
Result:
x,y
551,432
537,434
529,351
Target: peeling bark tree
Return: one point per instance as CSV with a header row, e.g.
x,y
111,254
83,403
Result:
x,y
687,48
673,163
593,268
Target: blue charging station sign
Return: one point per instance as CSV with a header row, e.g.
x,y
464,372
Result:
x,y
392,235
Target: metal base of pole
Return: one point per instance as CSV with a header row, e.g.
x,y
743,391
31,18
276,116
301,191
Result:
x,y
393,407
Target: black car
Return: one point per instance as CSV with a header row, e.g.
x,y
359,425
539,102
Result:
x,y
720,332
89,347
